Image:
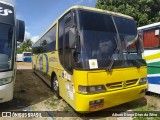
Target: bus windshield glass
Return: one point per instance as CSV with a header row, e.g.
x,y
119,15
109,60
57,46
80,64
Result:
x,y
6,47
127,33
99,35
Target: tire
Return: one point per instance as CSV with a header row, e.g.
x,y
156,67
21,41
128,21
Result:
x,y
55,87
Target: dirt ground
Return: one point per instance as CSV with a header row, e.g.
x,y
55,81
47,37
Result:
x,y
24,65
32,94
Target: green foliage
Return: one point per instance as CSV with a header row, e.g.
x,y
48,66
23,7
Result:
x,y
52,101
143,11
25,47
151,106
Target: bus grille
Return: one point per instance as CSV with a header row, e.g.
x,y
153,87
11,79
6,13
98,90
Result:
x,y
131,82
121,85
116,85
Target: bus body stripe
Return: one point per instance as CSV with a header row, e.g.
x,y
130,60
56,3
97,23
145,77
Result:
x,y
153,61
153,68
151,57
154,80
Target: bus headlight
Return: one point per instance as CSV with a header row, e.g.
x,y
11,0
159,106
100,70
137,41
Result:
x,y
143,81
91,89
4,81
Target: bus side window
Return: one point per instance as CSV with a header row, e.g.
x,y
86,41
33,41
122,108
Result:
x,y
65,54
48,41
51,39
36,48
68,58
60,40
66,30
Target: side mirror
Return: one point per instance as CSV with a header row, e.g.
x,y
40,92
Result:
x,y
140,40
20,30
72,38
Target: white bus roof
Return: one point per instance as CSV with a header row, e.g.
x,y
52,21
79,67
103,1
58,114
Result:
x,y
27,52
149,26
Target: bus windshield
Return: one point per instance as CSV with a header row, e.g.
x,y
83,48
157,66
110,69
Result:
x,y
127,32
99,35
6,47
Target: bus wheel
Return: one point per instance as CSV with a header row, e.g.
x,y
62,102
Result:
x,y
55,87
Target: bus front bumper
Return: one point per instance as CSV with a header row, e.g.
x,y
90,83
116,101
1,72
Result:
x,y
95,102
6,92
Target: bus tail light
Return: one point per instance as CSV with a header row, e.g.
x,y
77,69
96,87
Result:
x,y
4,81
91,89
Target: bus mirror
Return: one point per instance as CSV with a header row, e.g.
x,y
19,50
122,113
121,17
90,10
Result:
x,y
141,44
72,37
20,30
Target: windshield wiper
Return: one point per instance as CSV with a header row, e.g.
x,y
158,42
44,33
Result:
x,y
137,63
112,60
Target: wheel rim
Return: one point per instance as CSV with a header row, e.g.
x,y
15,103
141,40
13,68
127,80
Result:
x,y
55,85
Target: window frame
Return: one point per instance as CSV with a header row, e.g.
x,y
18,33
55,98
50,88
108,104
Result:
x,y
43,37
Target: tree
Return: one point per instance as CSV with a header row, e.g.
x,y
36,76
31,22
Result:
x,y
19,49
25,46
143,11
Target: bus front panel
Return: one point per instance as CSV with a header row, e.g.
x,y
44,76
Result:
x,y
99,89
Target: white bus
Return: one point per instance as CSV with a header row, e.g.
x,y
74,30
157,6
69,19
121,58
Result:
x,y
24,57
19,58
27,56
150,34
11,31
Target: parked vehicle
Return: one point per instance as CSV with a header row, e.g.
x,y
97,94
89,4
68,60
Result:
x,y
92,59
19,58
11,31
150,34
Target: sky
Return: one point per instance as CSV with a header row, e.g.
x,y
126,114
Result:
x,y
40,14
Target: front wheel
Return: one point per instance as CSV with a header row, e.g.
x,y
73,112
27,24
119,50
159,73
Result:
x,y
55,87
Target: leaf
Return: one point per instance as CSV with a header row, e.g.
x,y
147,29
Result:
x,y
143,11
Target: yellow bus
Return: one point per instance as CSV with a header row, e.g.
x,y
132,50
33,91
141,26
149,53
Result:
x,y
92,59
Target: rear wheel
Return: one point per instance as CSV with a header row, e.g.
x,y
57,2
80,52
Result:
x,y
55,87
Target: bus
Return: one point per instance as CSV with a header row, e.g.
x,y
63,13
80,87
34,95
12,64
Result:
x,y
11,31
150,34
27,56
24,57
19,58
92,59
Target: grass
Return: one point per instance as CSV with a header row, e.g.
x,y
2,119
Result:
x,y
33,108
151,106
67,108
146,118
51,102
